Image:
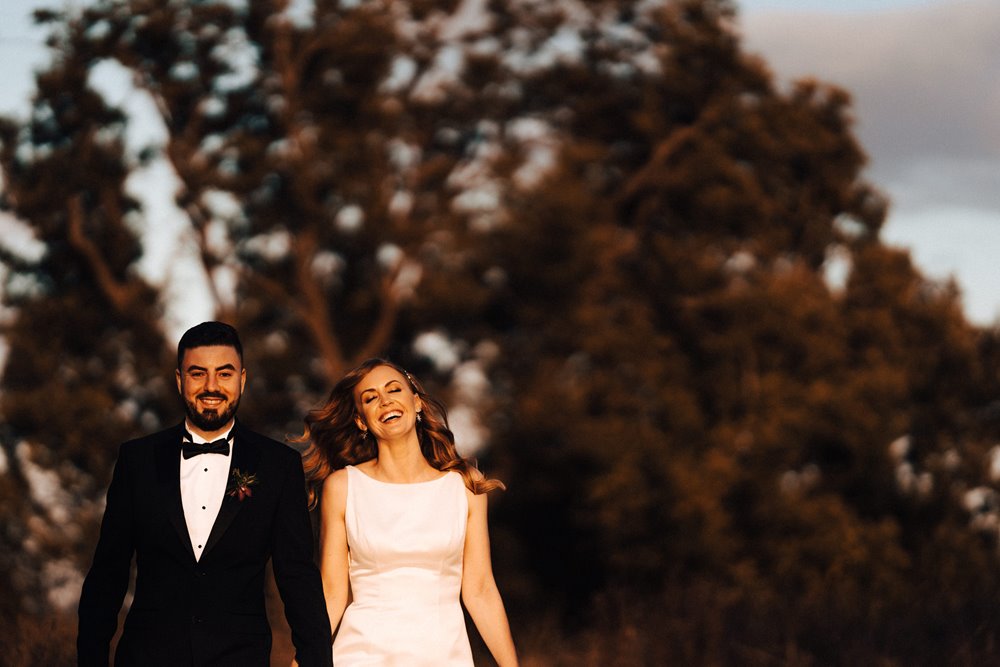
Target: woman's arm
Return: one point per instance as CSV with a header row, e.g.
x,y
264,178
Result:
x,y
479,589
333,557
333,560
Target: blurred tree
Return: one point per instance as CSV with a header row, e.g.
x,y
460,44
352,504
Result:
x,y
701,402
602,232
87,364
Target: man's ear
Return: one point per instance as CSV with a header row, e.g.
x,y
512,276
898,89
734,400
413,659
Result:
x,y
180,389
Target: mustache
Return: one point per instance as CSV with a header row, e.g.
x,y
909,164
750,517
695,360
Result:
x,y
212,394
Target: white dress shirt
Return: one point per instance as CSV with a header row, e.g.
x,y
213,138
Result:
x,y
203,486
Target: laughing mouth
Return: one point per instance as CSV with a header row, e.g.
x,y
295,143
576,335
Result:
x,y
391,416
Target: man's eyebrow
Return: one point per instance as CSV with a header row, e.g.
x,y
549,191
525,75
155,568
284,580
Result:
x,y
194,367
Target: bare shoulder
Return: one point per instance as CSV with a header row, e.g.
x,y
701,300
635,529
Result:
x,y
335,490
476,500
336,481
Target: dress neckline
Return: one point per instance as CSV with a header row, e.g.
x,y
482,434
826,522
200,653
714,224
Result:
x,y
379,481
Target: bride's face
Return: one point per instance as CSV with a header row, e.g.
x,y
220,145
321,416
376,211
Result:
x,y
386,403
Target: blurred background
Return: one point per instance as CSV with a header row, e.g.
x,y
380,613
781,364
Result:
x,y
744,410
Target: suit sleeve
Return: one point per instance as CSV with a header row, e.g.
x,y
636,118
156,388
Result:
x,y
296,574
106,583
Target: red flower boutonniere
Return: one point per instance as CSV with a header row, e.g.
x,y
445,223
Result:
x,y
240,483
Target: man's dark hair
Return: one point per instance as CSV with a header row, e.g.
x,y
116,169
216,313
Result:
x,y
207,334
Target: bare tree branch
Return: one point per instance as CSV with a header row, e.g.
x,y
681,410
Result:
x,y
314,310
119,294
381,331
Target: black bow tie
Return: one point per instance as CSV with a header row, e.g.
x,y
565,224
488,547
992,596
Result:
x,y
189,448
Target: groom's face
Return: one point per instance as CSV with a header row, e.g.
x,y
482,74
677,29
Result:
x,y
211,381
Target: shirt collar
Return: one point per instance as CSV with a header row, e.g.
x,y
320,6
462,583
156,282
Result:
x,y
197,439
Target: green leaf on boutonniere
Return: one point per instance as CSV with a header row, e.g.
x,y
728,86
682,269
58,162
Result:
x,y
240,483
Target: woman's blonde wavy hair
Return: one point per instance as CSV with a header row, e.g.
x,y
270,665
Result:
x,y
336,441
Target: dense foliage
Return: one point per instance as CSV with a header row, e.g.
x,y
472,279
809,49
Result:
x,y
735,426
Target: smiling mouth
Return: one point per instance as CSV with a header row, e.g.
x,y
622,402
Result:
x,y
211,401
391,416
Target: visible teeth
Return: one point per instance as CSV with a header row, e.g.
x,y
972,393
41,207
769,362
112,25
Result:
x,y
391,415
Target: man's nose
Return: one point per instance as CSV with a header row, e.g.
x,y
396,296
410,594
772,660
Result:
x,y
211,381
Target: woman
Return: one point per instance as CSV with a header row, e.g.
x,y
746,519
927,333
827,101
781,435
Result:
x,y
403,528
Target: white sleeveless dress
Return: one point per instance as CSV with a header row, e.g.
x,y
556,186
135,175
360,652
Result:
x,y
406,543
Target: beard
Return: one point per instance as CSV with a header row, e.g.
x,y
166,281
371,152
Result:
x,y
210,419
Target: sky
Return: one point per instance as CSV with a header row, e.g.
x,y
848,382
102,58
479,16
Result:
x,y
925,79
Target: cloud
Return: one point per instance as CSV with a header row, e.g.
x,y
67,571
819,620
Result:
x,y
926,90
924,79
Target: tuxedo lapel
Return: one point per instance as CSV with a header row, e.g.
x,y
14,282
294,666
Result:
x,y
245,458
168,474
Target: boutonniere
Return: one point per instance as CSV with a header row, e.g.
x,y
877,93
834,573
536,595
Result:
x,y
240,483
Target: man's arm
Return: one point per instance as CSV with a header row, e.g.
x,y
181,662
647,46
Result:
x,y
296,574
107,581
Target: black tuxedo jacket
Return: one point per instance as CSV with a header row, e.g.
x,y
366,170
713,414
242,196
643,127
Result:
x,y
210,611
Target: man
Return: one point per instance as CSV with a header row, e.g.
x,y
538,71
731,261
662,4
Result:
x,y
203,505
